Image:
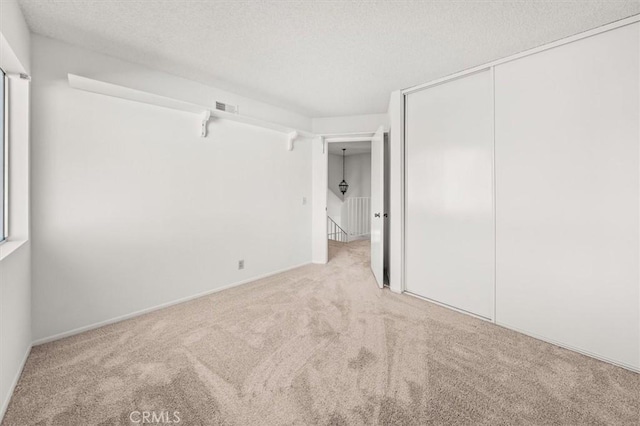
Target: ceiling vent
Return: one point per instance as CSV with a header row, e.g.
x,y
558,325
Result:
x,y
233,109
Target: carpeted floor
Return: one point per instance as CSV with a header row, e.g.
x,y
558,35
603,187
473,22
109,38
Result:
x,y
317,345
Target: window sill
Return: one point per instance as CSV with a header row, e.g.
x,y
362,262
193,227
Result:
x,y
8,247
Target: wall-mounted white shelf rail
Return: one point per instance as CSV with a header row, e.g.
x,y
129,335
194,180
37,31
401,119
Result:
x,y
205,112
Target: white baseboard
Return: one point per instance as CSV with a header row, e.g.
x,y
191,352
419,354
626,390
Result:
x,y
535,336
5,403
572,348
444,305
161,306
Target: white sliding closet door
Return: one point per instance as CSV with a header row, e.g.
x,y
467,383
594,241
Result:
x,y
449,216
567,195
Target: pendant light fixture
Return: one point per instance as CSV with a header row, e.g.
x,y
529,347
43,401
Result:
x,y
343,185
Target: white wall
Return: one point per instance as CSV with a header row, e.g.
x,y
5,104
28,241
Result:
x,y
334,208
358,175
334,177
15,319
349,124
132,209
15,30
15,255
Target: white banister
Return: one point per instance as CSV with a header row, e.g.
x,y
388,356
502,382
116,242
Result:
x,y
335,233
357,211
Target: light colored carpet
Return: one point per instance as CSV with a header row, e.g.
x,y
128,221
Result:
x,y
318,345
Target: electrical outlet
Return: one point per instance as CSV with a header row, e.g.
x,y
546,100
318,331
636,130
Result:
x,y
241,264
304,201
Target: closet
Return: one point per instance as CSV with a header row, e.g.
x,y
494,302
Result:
x,y
523,194
449,227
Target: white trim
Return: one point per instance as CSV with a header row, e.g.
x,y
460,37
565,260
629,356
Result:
x,y
18,76
571,348
599,30
9,61
158,307
9,246
403,147
349,134
4,145
14,383
349,139
18,144
337,138
394,150
532,335
493,194
444,305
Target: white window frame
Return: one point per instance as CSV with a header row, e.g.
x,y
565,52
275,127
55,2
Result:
x,y
4,145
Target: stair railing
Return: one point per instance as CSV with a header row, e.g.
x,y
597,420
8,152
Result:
x,y
336,233
357,217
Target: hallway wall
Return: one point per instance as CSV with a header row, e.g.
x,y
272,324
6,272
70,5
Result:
x,y
357,174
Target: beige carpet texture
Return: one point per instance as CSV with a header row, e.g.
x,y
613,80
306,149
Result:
x,y
319,345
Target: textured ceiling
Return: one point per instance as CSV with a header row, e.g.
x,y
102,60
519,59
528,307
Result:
x,y
320,58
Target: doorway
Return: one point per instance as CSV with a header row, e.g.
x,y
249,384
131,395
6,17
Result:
x,y
357,194
348,192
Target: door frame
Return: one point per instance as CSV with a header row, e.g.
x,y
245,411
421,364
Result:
x,y
320,208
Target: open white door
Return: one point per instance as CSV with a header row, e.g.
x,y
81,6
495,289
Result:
x,y
377,206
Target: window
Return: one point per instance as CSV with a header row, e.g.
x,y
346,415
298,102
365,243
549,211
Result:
x,y
4,160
